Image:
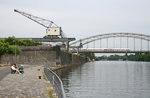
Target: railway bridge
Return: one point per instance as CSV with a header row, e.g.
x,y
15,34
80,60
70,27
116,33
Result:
x,y
113,43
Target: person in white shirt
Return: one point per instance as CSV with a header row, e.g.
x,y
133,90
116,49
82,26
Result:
x,y
13,68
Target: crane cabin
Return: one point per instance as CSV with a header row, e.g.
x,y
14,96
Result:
x,y
53,31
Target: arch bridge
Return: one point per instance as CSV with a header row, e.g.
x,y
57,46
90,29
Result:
x,y
114,43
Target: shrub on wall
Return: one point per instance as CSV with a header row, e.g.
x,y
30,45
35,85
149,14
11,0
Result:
x,y
25,42
3,47
11,50
7,46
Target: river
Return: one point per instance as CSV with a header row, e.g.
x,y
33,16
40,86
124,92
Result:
x,y
107,79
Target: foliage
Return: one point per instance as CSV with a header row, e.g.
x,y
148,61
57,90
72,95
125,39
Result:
x,y
139,57
7,46
10,40
136,57
3,48
25,42
102,58
11,50
90,55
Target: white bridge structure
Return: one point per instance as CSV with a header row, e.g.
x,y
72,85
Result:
x,y
113,43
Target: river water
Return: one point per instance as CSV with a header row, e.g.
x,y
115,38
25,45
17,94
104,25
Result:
x,y
107,79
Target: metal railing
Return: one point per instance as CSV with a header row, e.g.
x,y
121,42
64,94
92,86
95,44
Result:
x,y
56,82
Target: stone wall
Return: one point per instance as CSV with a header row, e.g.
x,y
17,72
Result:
x,y
42,54
31,55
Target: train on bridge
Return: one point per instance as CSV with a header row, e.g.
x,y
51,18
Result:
x,y
105,49
101,50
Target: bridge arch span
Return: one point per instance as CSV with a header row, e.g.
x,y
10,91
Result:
x,y
90,39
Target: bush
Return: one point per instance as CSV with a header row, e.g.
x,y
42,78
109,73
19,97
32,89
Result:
x,y
26,42
7,46
30,43
11,50
3,48
10,40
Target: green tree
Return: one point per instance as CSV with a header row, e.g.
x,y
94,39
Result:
x,y
136,57
7,46
90,55
3,48
10,40
147,57
11,50
26,42
114,57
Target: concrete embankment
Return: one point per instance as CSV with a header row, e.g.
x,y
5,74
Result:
x,y
40,55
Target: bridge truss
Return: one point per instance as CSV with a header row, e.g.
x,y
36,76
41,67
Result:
x,y
134,36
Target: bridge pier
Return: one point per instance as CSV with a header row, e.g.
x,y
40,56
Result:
x,y
138,53
77,51
126,54
67,45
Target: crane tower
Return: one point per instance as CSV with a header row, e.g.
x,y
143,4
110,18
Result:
x,y
54,33
52,30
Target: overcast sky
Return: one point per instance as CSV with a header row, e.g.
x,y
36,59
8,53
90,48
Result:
x,y
78,18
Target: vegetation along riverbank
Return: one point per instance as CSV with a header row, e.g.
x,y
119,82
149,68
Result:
x,y
131,57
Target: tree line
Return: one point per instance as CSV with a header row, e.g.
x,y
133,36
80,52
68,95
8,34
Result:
x,y
7,45
89,55
131,57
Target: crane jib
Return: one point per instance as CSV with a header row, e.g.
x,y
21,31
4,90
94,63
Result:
x,y
52,28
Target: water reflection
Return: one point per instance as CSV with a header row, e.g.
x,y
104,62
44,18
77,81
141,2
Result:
x,y
107,79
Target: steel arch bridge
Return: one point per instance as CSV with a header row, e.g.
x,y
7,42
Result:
x,y
91,39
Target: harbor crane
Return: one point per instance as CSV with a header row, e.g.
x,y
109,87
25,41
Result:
x,y
52,30
54,33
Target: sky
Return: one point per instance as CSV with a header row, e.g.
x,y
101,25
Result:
x,y
78,18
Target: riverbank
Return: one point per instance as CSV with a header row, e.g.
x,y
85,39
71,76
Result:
x,y
62,67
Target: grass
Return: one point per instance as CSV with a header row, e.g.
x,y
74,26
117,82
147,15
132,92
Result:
x,y
49,87
3,66
50,92
44,76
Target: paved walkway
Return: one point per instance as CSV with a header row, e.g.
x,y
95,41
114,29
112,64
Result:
x,y
4,72
25,85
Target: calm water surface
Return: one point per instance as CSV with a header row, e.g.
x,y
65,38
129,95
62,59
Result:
x,y
107,79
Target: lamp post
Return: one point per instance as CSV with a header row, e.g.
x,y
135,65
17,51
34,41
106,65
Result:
x,y
15,51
